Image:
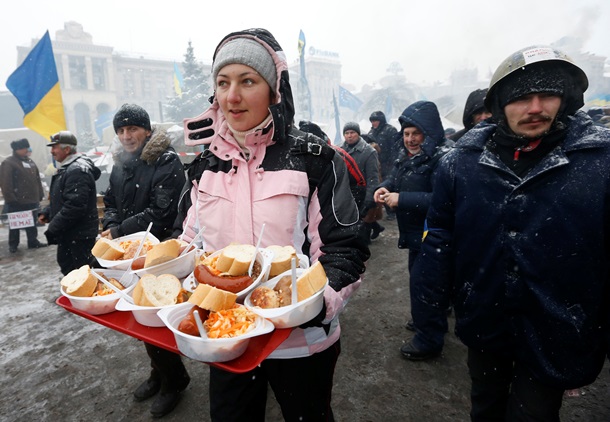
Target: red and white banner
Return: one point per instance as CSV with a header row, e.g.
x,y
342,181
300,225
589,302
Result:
x,y
20,220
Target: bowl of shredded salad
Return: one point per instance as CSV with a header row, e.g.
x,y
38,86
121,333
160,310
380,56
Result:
x,y
226,333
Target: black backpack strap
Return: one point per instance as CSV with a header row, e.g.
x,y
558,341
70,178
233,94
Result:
x,y
317,157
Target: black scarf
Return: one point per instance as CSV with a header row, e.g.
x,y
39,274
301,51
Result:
x,y
522,154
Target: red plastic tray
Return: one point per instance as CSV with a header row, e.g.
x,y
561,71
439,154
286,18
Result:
x,y
258,349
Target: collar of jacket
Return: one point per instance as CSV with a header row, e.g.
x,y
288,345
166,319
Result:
x,y
225,147
69,160
359,146
581,133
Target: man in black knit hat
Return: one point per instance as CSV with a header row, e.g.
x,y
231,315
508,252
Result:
x,y
530,281
145,185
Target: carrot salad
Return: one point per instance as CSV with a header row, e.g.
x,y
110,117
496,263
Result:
x,y
230,323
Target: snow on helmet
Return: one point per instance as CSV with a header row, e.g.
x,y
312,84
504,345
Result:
x,y
531,55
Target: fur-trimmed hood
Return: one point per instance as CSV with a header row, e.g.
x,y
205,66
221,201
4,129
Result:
x,y
154,147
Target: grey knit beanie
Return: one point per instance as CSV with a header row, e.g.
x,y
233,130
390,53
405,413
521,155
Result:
x,y
250,53
352,126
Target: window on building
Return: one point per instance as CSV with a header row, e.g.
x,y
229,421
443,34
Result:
x,y
128,84
82,118
60,70
78,74
146,86
98,68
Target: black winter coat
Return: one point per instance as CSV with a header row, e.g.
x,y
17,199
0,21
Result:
x,y
144,188
412,176
73,207
527,259
389,144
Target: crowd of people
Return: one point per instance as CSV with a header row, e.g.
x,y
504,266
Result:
x,y
497,219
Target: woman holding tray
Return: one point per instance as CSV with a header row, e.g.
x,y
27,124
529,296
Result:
x,y
258,169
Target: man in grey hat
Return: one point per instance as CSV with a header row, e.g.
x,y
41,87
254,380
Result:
x,y
22,191
72,212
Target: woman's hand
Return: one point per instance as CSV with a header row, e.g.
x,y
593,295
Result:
x,y
106,234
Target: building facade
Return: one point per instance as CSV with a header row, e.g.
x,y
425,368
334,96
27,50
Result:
x,y
95,80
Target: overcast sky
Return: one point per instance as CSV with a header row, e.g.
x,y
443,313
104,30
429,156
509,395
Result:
x,y
429,38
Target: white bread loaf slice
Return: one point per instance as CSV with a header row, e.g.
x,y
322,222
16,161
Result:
x,y
213,299
282,256
79,282
311,281
163,252
156,291
235,259
107,249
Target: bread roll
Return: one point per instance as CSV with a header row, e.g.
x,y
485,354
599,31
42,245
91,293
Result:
x,y
282,256
311,281
162,252
212,299
79,282
154,290
265,297
235,259
107,249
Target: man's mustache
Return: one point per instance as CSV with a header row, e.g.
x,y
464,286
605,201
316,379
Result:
x,y
536,119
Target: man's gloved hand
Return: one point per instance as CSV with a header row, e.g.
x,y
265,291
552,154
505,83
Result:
x,y
52,239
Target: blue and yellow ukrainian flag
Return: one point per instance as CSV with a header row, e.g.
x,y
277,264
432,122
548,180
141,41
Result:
x,y
301,43
178,80
36,86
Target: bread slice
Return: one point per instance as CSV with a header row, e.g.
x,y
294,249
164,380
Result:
x,y
162,252
213,299
79,282
282,256
311,281
235,259
107,249
154,290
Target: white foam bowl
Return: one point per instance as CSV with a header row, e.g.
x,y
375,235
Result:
x,y
145,315
125,264
291,315
205,349
99,305
263,257
180,267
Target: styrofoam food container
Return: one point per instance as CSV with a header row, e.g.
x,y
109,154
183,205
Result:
x,y
180,267
125,264
99,305
291,315
145,315
263,257
206,349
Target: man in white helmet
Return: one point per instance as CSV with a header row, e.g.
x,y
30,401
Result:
x,y
530,282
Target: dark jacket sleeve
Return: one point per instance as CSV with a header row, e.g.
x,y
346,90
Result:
x,y
344,250
372,179
6,182
78,186
432,273
111,215
167,184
